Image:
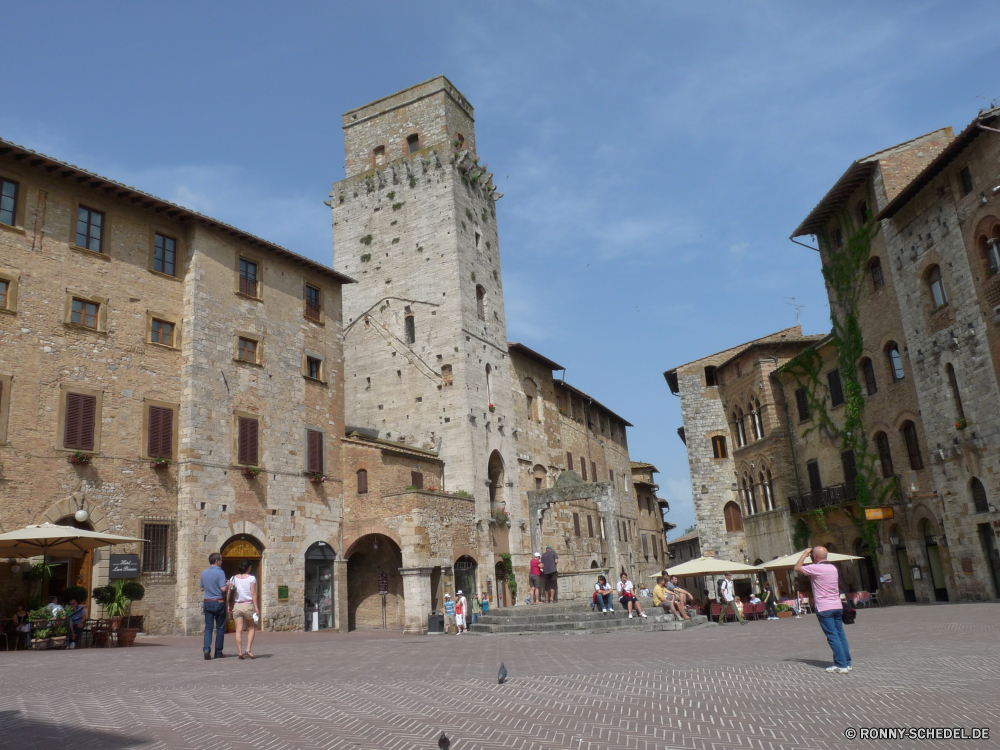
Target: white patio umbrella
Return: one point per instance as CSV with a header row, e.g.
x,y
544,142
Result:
x,y
48,538
788,561
706,566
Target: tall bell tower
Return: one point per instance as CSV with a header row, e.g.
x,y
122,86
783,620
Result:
x,y
425,338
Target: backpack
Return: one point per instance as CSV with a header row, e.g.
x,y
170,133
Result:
x,y
718,588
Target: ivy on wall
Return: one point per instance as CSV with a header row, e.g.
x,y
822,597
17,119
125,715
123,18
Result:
x,y
844,272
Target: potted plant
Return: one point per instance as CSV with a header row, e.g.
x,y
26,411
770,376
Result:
x,y
501,517
492,408
785,611
316,477
961,424
79,457
251,471
161,463
116,599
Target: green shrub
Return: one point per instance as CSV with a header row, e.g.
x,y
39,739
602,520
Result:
x,y
79,593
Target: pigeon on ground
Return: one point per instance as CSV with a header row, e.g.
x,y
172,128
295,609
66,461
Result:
x,y
443,742
502,674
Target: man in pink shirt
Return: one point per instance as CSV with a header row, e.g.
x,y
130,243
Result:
x,y
825,579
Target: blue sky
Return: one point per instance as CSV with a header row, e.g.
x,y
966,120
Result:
x,y
654,156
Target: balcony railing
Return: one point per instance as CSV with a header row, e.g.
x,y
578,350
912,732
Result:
x,y
838,494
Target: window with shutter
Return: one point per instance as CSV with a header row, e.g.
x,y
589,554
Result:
x,y
248,441
836,387
884,454
802,404
576,524
815,481
81,411
569,461
590,525
850,467
314,451
593,470
583,468
160,435
362,481
912,446
645,546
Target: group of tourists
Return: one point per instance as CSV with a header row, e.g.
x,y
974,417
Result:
x,y
461,613
543,575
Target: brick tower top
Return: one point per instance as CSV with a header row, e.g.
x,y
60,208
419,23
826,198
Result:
x,y
430,113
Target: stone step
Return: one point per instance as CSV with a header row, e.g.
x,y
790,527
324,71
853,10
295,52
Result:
x,y
660,622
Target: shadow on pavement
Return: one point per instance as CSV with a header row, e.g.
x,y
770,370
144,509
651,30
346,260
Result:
x,y
27,734
812,662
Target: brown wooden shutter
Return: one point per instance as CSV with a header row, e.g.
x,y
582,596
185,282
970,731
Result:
x,y
248,441
362,481
161,432
590,525
645,546
593,470
81,412
583,468
314,448
569,460
576,523
417,479
656,554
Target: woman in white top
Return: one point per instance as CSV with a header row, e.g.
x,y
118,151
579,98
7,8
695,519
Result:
x,y
245,608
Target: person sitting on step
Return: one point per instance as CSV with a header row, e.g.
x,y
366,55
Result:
x,y
602,592
626,592
667,600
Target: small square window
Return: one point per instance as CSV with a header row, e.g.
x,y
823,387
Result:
x,y
161,332
248,277
165,254
413,143
8,202
314,368
247,351
312,302
89,229
155,558
84,313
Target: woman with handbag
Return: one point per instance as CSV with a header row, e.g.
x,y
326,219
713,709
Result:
x,y
245,608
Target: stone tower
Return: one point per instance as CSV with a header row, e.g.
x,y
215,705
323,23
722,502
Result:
x,y
426,356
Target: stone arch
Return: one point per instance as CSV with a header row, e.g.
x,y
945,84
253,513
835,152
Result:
x,y
495,471
368,558
317,536
70,504
365,529
921,512
906,416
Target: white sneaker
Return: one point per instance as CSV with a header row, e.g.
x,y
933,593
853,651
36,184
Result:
x,y
604,611
845,670
642,614
72,645
630,615
834,668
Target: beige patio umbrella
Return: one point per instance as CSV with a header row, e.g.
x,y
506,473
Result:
x,y
788,561
706,566
48,538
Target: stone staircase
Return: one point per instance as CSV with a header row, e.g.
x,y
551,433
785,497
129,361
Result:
x,y
576,617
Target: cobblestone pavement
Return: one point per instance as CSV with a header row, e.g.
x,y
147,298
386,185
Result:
x,y
758,686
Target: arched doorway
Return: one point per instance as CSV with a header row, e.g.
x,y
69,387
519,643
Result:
x,y
866,566
69,571
929,533
903,561
237,549
319,586
374,584
465,576
496,475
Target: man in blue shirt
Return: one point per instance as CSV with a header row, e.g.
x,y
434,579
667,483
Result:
x,y
214,586
449,613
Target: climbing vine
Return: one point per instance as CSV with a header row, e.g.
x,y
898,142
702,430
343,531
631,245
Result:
x,y
844,273
509,569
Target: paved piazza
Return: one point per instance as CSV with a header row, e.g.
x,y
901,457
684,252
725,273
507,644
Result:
x,y
760,686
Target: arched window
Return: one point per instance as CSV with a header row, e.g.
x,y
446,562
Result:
x,y
749,494
489,397
539,476
875,269
989,248
895,361
868,369
936,284
909,431
362,481
756,419
447,379
739,428
719,447
734,519
884,455
979,496
481,302
956,396
378,155
767,488
862,210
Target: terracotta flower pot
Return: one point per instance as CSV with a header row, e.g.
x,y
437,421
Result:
x,y
126,636
786,614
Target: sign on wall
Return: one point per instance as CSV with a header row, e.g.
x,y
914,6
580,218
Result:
x,y
878,514
124,566
383,583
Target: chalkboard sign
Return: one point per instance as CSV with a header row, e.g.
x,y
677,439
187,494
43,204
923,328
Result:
x,y
124,566
383,584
